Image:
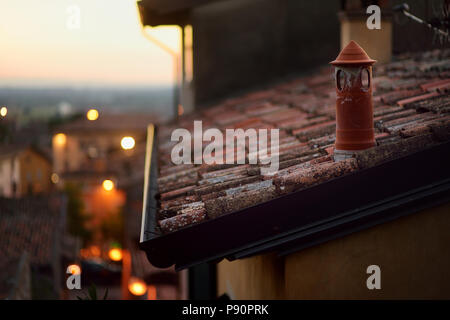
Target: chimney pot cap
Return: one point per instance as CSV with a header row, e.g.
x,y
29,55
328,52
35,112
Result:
x,y
352,54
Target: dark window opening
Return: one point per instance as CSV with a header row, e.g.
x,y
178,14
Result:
x,y
365,79
340,80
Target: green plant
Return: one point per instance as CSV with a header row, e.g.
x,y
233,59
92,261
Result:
x,y
112,227
76,217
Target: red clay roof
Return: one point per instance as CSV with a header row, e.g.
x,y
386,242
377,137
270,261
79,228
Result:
x,y
411,111
28,224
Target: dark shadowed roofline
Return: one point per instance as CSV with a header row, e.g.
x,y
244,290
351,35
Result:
x,y
171,12
169,6
8,150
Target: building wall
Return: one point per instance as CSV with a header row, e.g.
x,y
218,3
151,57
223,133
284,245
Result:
x,y
35,172
28,171
260,277
242,43
412,253
88,151
377,42
6,177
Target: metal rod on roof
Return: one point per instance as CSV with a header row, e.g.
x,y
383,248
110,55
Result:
x,y
404,8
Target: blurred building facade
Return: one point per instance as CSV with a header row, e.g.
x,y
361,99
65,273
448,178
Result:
x,y
24,170
86,153
86,145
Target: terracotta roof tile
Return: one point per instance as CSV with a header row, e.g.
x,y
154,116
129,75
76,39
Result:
x,y
29,224
411,112
417,98
397,124
313,175
394,96
238,201
315,131
435,85
438,104
177,192
179,221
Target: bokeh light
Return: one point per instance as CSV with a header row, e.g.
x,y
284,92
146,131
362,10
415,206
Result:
x,y
55,178
60,139
137,287
3,111
115,254
127,143
108,185
92,115
74,269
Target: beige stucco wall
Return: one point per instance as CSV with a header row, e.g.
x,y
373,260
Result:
x,y
412,252
7,177
259,277
377,42
26,169
35,171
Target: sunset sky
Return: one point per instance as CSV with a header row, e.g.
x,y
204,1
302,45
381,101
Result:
x,y
38,49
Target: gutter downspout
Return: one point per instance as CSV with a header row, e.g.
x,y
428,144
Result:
x,y
176,68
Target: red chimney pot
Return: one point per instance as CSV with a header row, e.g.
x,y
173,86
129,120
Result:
x,y
354,110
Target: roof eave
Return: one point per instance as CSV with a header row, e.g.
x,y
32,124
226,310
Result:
x,y
153,18
352,204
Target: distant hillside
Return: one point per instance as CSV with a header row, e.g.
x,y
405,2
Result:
x,y
46,102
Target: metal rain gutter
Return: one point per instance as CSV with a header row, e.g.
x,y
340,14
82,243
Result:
x,y
354,202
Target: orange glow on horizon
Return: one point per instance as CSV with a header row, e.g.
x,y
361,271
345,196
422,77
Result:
x,y
108,48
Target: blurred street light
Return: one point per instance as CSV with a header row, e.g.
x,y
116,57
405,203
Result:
x,y
60,139
127,143
137,287
108,185
74,269
92,115
3,111
115,254
55,178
